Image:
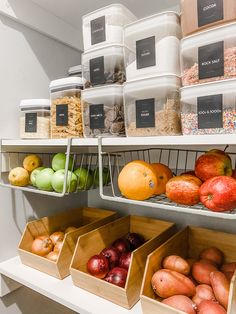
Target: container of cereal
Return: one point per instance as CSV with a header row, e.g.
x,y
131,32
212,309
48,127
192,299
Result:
x,y
152,106
152,46
103,112
198,15
106,26
209,108
35,118
209,56
104,66
66,112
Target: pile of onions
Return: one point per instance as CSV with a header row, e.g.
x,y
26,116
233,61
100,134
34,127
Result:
x,y
117,276
98,266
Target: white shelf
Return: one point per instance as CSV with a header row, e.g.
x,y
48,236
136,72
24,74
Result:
x,y
49,142
61,291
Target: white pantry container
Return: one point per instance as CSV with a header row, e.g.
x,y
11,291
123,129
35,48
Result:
x,y
209,108
209,56
152,106
153,46
106,26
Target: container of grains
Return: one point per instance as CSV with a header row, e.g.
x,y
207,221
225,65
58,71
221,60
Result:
x,y
103,112
152,106
209,56
35,118
106,26
66,112
198,15
209,108
104,66
153,46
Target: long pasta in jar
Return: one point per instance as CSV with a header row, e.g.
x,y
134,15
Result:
x,y
66,113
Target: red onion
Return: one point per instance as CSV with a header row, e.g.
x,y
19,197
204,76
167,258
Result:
x,y
117,276
135,240
113,255
98,266
124,261
122,245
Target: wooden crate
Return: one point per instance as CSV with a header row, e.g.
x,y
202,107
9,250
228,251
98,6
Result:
x,y
86,219
155,233
186,243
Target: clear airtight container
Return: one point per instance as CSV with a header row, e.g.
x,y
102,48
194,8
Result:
x,y
209,56
209,108
35,118
198,15
66,111
152,106
106,26
104,66
153,46
103,112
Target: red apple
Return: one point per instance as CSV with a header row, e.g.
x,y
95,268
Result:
x,y
184,189
218,151
234,174
219,194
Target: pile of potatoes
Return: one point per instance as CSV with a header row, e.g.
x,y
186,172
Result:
x,y
195,286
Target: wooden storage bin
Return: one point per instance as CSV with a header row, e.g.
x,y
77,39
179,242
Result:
x,y
186,243
155,233
86,219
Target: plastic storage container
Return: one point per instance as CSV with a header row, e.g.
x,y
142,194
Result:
x,y
198,15
209,55
153,46
75,71
66,111
103,112
209,108
152,106
35,118
106,26
104,66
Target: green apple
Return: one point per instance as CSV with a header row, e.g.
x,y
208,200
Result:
x,y
44,179
58,181
106,176
85,179
59,162
34,174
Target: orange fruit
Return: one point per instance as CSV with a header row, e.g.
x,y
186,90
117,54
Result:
x,y
164,174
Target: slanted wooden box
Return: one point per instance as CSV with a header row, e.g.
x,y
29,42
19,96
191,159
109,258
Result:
x,y
155,233
188,244
85,219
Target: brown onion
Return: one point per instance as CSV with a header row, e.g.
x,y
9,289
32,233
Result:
x,y
122,245
53,256
98,266
58,246
125,260
57,236
69,229
42,245
112,255
135,240
117,276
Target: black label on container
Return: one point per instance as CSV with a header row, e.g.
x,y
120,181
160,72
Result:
x,y
145,113
96,67
210,11
98,30
61,115
209,110
96,116
146,52
31,122
211,60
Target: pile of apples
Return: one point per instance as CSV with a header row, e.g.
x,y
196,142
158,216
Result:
x,y
195,286
112,263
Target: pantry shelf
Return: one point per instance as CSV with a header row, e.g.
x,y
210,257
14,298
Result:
x,y
61,291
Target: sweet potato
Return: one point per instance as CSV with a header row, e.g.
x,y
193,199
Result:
x,y
220,286
229,275
191,261
210,307
201,271
230,267
167,283
176,263
212,254
203,292
182,303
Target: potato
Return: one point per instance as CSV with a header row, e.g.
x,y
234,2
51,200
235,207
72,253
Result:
x,y
182,303
210,307
191,261
212,254
176,263
220,286
230,267
167,283
201,271
203,292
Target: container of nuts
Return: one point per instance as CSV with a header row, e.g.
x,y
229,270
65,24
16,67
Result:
x,y
66,111
103,112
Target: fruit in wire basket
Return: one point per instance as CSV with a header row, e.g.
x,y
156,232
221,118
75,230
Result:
x,y
44,180
19,177
34,174
234,174
85,179
106,178
59,162
58,181
164,174
32,162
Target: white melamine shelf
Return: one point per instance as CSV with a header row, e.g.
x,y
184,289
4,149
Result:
x,y
61,291
49,142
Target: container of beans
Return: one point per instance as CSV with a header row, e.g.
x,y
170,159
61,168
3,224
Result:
x,y
35,118
209,108
66,112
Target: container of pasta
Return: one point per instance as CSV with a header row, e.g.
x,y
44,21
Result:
x,y
35,118
66,113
